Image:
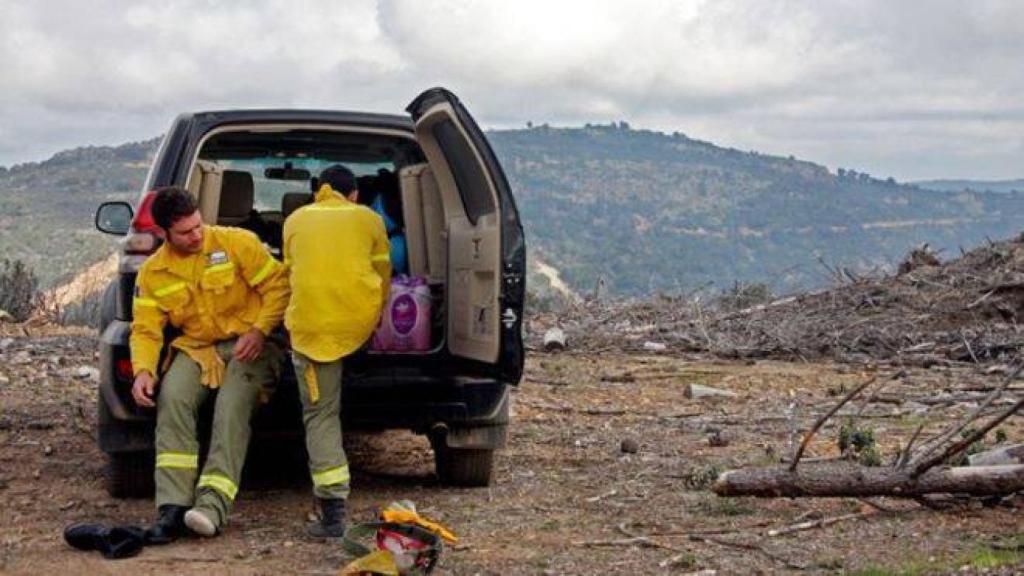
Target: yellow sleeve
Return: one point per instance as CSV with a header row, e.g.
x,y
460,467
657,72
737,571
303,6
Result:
x,y
267,276
147,332
381,257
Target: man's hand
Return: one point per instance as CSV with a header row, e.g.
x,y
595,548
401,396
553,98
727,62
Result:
x,y
142,389
249,345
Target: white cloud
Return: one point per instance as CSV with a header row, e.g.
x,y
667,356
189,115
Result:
x,y
912,89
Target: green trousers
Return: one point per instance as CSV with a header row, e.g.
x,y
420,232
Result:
x,y
320,392
177,444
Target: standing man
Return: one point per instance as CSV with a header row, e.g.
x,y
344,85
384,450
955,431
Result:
x,y
224,291
340,269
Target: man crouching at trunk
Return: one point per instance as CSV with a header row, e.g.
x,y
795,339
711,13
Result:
x,y
224,291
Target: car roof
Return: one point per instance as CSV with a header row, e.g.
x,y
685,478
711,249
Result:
x,y
286,115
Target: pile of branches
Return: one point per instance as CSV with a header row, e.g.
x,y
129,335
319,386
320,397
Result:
x,y
927,313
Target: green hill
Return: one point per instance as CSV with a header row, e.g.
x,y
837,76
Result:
x,y
651,211
47,219
642,210
982,185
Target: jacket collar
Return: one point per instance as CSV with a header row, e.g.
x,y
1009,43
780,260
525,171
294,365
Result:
x,y
328,194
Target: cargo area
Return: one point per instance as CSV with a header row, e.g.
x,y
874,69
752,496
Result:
x,y
256,177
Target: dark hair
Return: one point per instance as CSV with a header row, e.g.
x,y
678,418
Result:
x,y
339,177
172,204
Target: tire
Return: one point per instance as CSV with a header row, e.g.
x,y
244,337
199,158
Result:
x,y
471,467
130,475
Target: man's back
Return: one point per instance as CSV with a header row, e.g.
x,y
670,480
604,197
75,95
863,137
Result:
x,y
340,270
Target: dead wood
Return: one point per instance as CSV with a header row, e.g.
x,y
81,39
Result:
x,y
852,480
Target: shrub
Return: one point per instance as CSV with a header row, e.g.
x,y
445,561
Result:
x,y
19,290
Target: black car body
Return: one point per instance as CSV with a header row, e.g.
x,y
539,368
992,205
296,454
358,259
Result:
x,y
464,236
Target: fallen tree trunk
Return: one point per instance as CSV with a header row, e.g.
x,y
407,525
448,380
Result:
x,y
852,480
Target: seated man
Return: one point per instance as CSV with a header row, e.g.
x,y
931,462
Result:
x,y
221,288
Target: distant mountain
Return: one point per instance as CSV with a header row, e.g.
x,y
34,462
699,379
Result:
x,y
47,208
977,185
647,211
634,210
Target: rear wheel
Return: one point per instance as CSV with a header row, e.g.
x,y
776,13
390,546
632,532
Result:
x,y
464,466
130,474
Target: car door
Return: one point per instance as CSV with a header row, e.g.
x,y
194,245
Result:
x,y
486,249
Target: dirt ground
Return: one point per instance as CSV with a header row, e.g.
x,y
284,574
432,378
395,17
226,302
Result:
x,y
571,496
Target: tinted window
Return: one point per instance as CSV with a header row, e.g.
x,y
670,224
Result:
x,y
469,175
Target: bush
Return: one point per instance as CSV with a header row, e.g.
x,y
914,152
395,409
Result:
x,y
19,290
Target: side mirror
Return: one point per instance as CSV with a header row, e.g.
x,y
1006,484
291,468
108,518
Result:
x,y
114,218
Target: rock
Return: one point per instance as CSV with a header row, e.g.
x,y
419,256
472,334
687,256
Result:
x,y
288,543
5,344
718,439
554,340
629,446
914,407
241,554
47,450
87,372
4,380
701,391
1007,455
655,347
21,358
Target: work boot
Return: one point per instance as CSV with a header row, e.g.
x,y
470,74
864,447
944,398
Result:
x,y
332,519
199,521
168,525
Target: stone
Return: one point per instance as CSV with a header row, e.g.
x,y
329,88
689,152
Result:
x,y
655,347
554,340
701,391
629,446
87,373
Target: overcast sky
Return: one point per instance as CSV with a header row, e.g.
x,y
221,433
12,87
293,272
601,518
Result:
x,y
910,89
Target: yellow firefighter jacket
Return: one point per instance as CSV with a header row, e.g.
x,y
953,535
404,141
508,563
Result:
x,y
233,285
339,263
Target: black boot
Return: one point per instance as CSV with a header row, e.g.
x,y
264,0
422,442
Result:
x,y
332,519
168,526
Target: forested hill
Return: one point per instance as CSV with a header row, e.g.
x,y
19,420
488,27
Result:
x,y
650,211
643,210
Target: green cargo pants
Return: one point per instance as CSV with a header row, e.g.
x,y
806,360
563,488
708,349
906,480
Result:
x,y
177,445
320,392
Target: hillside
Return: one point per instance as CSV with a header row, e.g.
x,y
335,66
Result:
x,y
982,185
642,210
48,207
649,211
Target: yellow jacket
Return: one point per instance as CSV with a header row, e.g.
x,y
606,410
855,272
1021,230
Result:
x,y
339,263
233,285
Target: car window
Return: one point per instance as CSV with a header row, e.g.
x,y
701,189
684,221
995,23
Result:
x,y
267,193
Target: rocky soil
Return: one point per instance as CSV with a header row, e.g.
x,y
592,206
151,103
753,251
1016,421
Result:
x,y
606,472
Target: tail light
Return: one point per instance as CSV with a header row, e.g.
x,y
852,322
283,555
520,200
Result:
x,y
123,369
142,240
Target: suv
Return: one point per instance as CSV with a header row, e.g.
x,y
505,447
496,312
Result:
x,y
443,191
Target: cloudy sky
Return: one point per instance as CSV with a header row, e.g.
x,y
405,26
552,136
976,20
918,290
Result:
x,y
911,89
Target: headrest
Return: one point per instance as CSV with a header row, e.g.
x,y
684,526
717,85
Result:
x,y
236,195
292,201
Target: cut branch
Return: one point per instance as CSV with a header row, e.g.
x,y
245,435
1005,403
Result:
x,y
824,418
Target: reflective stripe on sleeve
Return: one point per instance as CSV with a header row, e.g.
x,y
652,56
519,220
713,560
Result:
x,y
177,460
331,476
381,257
220,483
145,302
263,273
170,289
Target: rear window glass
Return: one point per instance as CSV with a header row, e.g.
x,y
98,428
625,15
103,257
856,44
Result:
x,y
470,178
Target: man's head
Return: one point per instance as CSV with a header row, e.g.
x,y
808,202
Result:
x,y
177,216
341,180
